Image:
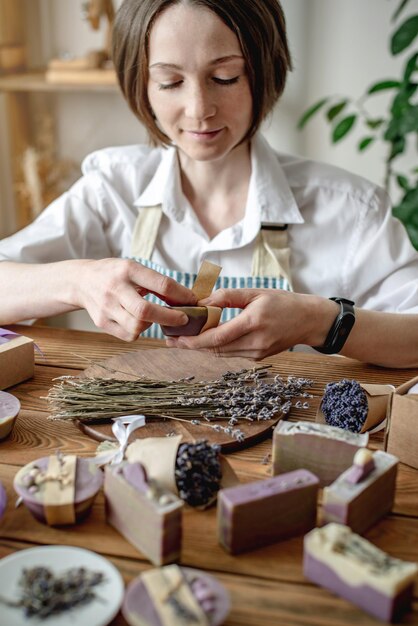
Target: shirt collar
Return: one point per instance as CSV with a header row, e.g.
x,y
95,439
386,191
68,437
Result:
x,y
270,198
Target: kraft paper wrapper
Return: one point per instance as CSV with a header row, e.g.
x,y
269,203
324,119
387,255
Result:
x,y
158,455
401,437
214,315
58,499
206,279
169,581
377,399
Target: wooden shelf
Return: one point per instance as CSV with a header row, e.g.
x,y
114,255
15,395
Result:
x,y
36,81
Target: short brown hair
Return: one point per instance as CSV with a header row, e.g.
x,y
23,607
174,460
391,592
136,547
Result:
x,y
258,24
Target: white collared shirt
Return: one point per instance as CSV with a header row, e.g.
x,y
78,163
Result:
x,y
342,237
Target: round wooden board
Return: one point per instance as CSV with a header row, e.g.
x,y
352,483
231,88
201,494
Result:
x,y
172,364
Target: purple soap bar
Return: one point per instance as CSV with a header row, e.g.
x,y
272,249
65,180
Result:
x,y
353,568
147,515
88,481
257,514
361,504
139,608
197,315
9,410
3,500
324,450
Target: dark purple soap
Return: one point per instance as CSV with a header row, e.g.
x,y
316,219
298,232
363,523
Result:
x,y
197,315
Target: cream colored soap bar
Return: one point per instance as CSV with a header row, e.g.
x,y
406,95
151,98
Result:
x,y
353,568
324,450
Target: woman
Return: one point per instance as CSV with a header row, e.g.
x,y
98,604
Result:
x,y
202,75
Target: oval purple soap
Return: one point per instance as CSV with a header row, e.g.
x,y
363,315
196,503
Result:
x,y
88,481
213,598
9,410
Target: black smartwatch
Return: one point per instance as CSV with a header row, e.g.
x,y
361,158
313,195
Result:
x,y
340,329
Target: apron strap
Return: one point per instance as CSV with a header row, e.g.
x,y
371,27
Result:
x,y
272,253
145,231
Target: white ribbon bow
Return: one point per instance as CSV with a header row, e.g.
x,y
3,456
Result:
x,y
122,428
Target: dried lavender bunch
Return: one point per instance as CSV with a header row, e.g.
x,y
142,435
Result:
x,y
345,405
235,396
44,594
198,472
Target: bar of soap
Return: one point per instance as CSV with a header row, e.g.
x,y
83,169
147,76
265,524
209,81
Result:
x,y
156,594
9,410
353,568
200,318
88,481
257,514
324,450
146,514
360,501
3,500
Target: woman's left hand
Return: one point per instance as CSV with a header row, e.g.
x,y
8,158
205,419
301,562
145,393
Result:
x,y
271,321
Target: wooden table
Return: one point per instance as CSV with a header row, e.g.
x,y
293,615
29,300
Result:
x,y
267,586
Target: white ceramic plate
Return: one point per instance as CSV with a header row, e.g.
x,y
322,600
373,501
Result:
x,y
99,612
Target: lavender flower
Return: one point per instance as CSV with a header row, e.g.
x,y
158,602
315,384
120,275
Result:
x,y
198,472
345,405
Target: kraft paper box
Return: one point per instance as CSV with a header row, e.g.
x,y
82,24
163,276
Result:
x,y
16,361
401,437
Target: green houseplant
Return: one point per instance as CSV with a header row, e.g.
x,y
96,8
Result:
x,y
395,129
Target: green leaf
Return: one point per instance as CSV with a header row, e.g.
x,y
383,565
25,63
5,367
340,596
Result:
x,y
403,182
335,110
311,111
343,127
373,124
364,143
407,212
411,67
398,147
384,84
404,35
399,9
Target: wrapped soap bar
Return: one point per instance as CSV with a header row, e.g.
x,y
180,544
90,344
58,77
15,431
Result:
x,y
194,471
175,596
263,512
145,513
364,493
9,410
357,407
16,358
200,318
324,450
353,568
59,489
3,500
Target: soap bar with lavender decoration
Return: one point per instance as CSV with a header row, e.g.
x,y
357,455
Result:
x,y
353,568
362,494
260,513
145,513
324,450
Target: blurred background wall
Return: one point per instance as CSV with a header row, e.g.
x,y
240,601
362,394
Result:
x,y
338,47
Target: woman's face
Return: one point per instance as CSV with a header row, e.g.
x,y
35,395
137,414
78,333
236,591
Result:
x,y
198,87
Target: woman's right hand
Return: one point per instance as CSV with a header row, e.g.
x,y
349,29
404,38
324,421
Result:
x,y
112,292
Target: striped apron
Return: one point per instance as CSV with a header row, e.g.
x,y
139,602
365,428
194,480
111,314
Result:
x,y
270,263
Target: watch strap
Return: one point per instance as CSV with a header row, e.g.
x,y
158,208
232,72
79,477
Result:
x,y
340,329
